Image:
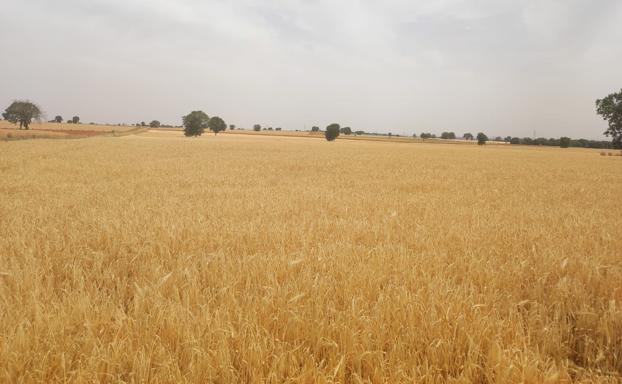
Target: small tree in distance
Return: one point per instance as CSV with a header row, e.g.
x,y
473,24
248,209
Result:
x,y
315,129
216,124
346,130
75,119
257,127
58,119
467,136
195,123
481,138
231,127
154,124
332,132
22,112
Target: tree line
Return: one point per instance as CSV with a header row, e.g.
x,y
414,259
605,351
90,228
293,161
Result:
x,y
23,112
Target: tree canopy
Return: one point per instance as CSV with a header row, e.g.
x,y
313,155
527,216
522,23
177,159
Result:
x,y
58,119
332,132
481,138
216,124
154,124
195,123
610,108
75,119
257,127
467,136
22,112
315,129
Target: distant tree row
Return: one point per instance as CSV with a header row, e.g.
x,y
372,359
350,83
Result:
x,y
59,119
23,112
563,142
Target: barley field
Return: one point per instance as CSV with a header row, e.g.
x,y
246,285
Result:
x,y
156,258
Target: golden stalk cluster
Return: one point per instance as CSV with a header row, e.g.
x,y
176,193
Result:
x,y
157,258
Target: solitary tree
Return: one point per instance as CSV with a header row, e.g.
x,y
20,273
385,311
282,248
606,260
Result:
x,y
346,130
195,123
315,129
610,108
332,132
231,127
58,119
257,127
154,124
22,112
216,124
564,142
448,135
75,119
467,136
481,138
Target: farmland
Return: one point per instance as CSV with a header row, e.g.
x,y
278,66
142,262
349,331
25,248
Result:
x,y
257,258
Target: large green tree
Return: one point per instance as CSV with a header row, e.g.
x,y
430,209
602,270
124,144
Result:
x,y
22,112
216,124
610,108
332,132
195,123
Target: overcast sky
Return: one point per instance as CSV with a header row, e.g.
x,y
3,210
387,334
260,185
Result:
x,y
506,67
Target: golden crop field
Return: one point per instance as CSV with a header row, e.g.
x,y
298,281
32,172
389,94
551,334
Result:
x,y
56,130
157,258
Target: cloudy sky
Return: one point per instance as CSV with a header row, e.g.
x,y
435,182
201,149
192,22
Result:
x,y
506,67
